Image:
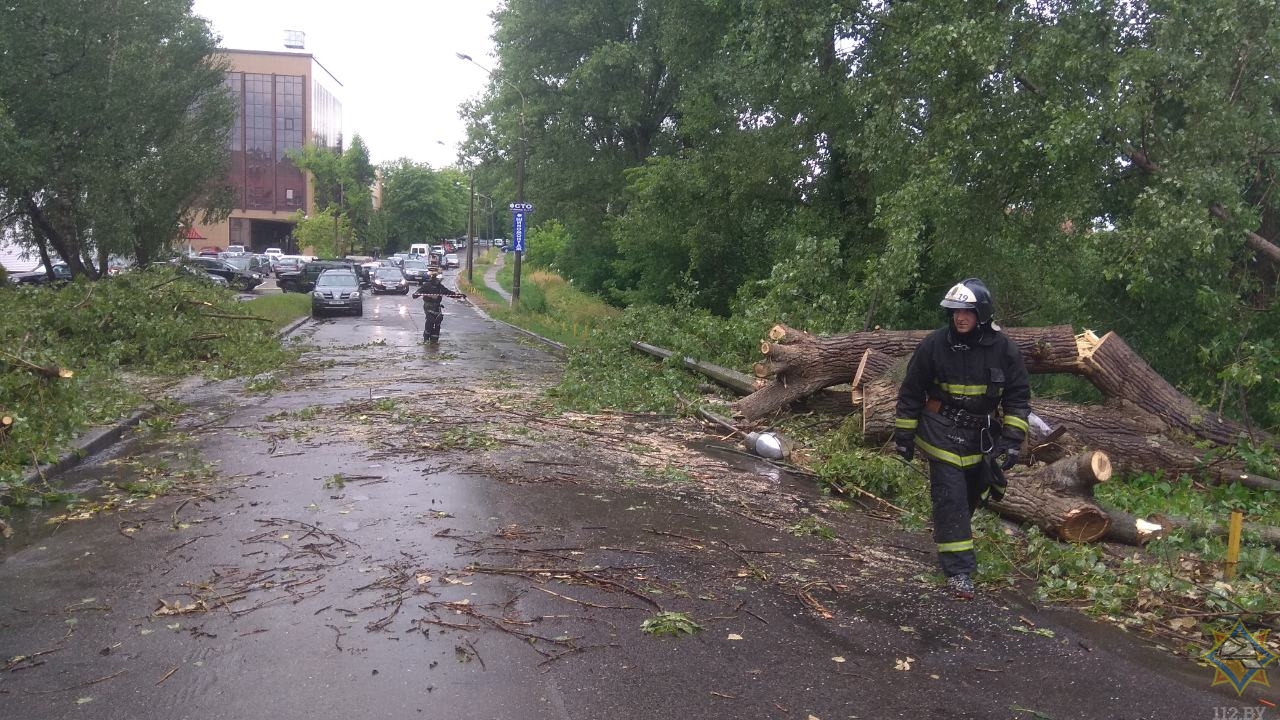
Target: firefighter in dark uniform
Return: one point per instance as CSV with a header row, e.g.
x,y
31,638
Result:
x,y
958,379
433,292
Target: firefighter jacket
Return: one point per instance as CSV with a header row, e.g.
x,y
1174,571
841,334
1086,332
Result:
x,y
433,293
954,390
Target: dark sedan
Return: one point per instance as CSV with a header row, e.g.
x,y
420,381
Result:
x,y
235,277
388,280
61,274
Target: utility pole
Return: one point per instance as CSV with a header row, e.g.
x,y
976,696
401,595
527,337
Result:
x,y
515,275
471,225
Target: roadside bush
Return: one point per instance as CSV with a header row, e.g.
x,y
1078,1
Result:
x,y
156,322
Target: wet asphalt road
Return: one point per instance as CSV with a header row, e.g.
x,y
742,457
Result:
x,y
358,543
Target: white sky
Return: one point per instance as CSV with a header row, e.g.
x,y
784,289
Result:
x,y
401,82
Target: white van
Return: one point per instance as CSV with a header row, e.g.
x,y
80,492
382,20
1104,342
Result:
x,y
419,251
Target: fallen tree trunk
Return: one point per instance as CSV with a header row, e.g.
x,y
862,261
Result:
x,y
1058,498
1133,438
1268,534
1130,530
1119,372
798,364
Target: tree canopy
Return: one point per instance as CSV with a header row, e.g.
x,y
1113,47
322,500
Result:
x,y
838,165
113,127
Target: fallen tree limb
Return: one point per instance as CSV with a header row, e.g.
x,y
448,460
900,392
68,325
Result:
x,y
1130,530
50,371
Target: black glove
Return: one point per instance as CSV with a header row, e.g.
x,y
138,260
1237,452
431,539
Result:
x,y
1010,450
904,443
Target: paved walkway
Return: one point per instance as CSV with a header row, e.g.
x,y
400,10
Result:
x,y
491,277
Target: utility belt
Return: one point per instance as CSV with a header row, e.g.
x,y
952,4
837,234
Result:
x,y
958,415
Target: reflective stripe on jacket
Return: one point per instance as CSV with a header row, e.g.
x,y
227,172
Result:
x,y
979,375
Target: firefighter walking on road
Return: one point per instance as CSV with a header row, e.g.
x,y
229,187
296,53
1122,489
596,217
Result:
x,y
957,381
433,292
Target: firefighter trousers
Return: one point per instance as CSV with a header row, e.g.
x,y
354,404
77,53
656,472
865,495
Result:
x,y
954,495
431,330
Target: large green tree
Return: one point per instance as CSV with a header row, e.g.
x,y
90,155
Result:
x,y
839,164
113,127
422,204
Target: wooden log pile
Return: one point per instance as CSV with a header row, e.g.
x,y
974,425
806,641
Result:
x,y
1144,423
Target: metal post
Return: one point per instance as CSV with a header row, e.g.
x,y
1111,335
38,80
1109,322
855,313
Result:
x,y
471,224
515,278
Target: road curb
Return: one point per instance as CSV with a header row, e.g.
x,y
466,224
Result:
x,y
559,347
99,438
94,441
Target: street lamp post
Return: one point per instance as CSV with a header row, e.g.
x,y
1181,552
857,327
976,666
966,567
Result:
x,y
524,149
471,225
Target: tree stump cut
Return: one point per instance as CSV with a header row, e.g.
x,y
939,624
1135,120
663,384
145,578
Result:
x,y
1058,498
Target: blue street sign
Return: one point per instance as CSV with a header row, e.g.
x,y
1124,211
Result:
x,y
517,230
527,207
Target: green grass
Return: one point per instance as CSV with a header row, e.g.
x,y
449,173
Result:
x,y
281,309
549,306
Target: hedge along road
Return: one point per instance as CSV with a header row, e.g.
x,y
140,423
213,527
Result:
x,y
392,530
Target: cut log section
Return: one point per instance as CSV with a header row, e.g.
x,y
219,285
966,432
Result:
x,y
1058,498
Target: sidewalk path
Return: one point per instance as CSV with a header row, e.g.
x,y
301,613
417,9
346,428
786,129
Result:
x,y
491,277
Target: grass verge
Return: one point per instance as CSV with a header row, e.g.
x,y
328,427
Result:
x,y
549,306
281,309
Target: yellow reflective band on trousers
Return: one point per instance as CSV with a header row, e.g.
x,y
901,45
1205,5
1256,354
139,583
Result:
x,y
957,546
964,389
906,423
1017,422
961,461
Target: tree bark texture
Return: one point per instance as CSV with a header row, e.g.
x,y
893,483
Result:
x,y
1115,369
799,363
1132,438
1058,498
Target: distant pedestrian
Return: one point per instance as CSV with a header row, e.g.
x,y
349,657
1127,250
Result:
x,y
432,291
957,379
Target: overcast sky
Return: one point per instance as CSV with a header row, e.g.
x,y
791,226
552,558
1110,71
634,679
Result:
x,y
401,82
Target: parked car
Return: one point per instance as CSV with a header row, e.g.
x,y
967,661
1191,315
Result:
x,y
235,250
305,279
337,289
389,280
209,251
40,276
451,260
273,253
194,271
416,270
257,264
235,277
286,264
